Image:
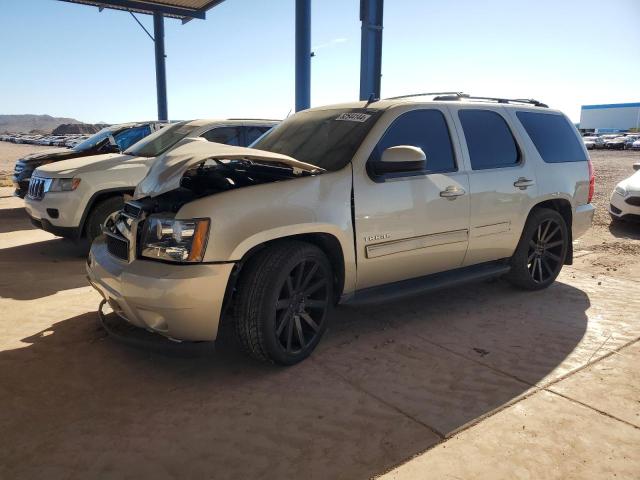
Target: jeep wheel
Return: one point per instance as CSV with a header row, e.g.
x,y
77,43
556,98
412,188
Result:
x,y
284,298
541,252
99,214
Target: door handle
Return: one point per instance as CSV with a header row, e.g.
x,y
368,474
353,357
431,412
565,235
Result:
x,y
451,192
523,183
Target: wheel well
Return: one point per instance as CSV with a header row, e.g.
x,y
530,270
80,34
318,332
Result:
x,y
563,207
324,241
96,199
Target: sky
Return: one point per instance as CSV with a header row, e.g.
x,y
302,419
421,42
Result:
x,y
71,60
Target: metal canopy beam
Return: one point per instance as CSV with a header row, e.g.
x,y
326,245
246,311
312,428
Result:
x,y
150,8
161,74
303,54
159,10
371,48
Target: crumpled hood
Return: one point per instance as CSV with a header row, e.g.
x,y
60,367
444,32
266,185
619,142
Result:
x,y
77,166
168,169
50,155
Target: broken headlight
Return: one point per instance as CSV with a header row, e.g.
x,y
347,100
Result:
x,y
183,241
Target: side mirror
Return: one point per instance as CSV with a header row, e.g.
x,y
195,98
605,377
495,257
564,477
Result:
x,y
636,166
401,159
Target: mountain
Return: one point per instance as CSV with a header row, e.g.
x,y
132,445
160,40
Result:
x,y
26,123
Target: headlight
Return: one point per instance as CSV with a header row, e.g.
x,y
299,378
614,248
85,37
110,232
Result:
x,y
63,184
174,240
621,191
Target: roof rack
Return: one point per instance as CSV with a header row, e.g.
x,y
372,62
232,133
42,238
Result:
x,y
256,119
456,96
528,101
428,94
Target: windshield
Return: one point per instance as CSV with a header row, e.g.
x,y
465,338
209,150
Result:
x,y
93,140
324,138
161,141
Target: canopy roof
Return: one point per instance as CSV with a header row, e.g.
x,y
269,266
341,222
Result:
x,y
182,9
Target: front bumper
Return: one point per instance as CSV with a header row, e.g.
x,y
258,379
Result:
x,y
182,302
57,213
619,208
582,220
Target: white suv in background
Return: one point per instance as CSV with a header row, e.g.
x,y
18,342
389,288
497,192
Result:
x,y
72,198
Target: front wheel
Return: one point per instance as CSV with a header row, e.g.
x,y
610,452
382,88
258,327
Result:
x,y
284,298
99,214
541,251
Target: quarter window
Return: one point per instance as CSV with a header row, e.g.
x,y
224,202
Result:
x,y
131,136
226,135
554,138
426,129
253,133
489,139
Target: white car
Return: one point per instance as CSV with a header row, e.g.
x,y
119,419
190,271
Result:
x,y
625,199
635,145
593,142
72,198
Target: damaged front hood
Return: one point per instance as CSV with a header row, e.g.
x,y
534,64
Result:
x,y
168,169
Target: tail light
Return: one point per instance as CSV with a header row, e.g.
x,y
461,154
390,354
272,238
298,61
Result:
x,y
592,181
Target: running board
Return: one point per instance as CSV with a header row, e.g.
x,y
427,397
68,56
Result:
x,y
429,283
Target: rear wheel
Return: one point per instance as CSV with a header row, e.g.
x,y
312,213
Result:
x,y
99,214
284,300
541,252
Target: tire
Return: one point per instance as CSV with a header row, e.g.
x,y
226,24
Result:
x,y
283,302
99,213
541,252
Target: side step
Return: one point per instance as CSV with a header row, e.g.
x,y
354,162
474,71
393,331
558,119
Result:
x,y
428,283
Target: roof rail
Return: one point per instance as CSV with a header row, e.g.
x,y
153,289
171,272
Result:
x,y
529,101
256,119
429,94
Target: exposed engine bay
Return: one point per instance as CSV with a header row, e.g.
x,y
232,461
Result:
x,y
214,176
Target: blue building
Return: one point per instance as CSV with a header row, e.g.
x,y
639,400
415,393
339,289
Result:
x,y
611,117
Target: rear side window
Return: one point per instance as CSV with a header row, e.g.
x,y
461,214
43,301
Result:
x,y
553,136
253,133
426,129
489,139
226,135
131,136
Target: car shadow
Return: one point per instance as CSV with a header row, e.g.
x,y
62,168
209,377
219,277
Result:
x,y
40,269
387,382
625,229
13,219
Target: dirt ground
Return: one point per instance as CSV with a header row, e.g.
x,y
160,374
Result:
x,y
480,381
9,153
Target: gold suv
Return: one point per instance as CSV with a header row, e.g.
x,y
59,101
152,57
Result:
x,y
354,203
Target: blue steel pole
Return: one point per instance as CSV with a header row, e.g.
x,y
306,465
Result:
x,y
303,54
370,48
161,74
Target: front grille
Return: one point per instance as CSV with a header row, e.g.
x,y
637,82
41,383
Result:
x,y
118,247
635,201
37,188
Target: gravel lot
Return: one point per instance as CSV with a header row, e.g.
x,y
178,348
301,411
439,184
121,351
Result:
x,y
482,381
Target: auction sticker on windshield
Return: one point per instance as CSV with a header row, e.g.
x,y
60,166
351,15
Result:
x,y
354,117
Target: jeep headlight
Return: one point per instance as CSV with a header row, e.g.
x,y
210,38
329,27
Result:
x,y
621,191
172,240
63,184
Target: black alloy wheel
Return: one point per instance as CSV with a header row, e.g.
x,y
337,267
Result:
x,y
541,252
283,302
544,259
301,306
